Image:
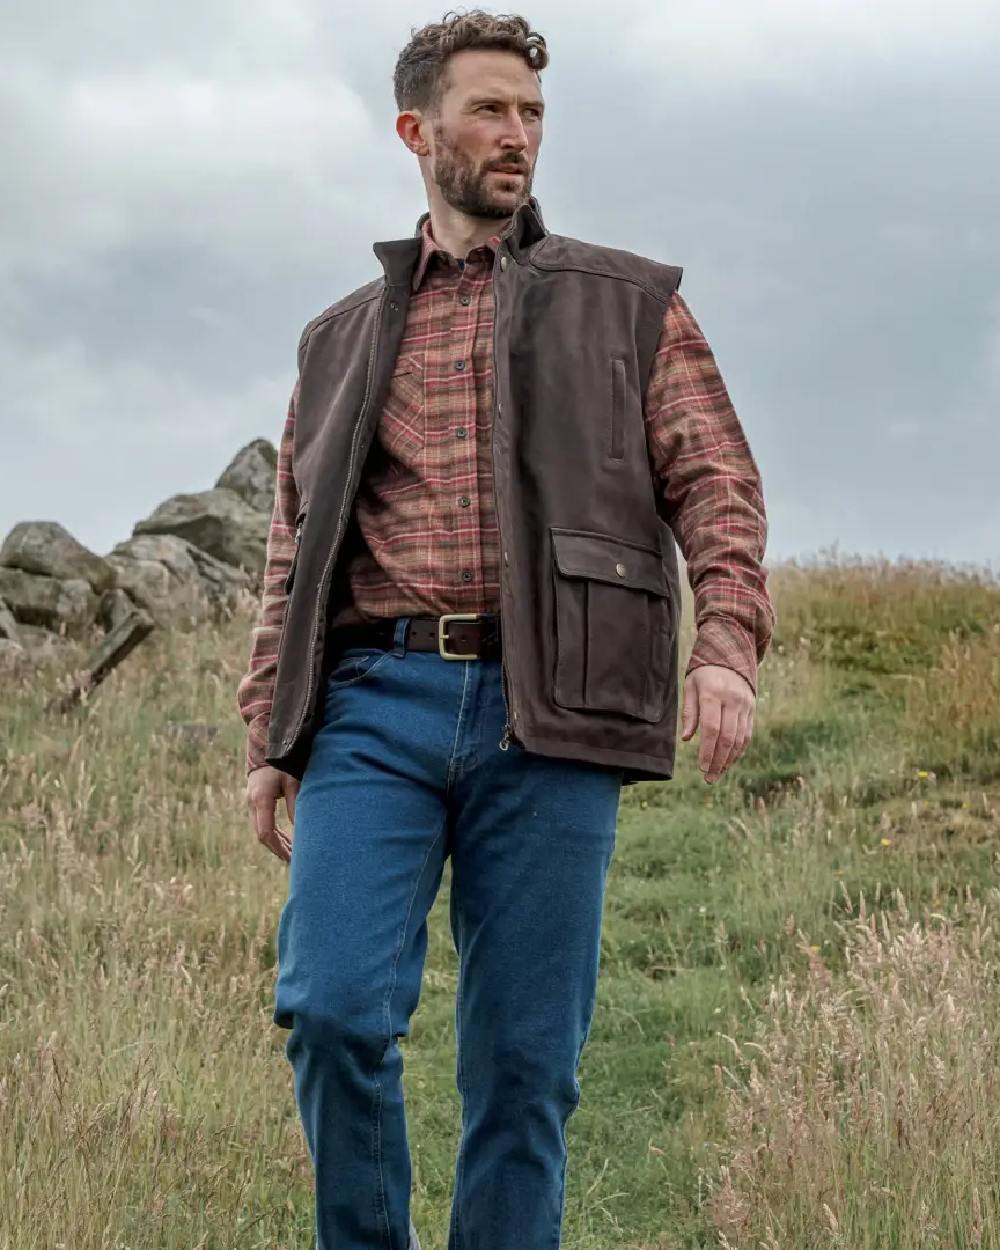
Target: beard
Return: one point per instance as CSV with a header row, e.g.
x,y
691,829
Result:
x,y
478,192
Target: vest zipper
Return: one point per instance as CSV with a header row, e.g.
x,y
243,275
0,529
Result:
x,y
340,519
508,730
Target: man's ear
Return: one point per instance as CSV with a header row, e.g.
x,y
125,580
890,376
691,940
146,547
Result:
x,y
409,127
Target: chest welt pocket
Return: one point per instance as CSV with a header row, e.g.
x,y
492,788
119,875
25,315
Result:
x,y
613,624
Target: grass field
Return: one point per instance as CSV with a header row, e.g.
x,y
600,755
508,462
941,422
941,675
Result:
x,y
797,1031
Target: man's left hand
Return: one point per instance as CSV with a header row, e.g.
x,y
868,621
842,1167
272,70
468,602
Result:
x,y
722,702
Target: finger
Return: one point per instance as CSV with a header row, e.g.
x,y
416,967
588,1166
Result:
x,y
274,839
739,746
282,845
724,742
689,718
710,715
278,843
291,794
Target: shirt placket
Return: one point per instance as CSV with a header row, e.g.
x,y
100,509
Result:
x,y
461,499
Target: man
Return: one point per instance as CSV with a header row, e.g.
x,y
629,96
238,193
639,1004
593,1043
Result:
x,y
468,644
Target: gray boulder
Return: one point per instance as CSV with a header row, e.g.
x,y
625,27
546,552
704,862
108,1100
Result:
x,y
252,474
170,577
12,654
42,646
114,607
48,602
48,548
8,625
218,522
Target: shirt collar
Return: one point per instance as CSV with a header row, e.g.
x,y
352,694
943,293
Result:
x,y
428,246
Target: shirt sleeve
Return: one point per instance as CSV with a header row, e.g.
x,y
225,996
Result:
x,y
711,487
256,688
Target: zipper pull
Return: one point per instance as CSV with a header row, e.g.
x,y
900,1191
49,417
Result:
x,y
505,740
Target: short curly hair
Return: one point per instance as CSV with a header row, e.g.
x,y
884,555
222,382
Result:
x,y
420,79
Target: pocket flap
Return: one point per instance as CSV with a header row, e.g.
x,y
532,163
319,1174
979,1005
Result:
x,y
579,553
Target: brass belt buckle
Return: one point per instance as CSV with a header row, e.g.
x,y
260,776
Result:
x,y
442,626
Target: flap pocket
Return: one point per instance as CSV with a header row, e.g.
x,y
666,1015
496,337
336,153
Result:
x,y
600,557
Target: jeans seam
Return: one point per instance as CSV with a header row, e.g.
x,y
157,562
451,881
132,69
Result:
x,y
387,1013
459,1239
458,723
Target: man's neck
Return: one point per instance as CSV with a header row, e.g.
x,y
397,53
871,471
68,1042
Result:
x,y
458,234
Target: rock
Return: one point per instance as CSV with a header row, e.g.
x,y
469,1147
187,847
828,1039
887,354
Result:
x,y
48,548
252,474
114,607
43,646
217,521
222,580
12,654
169,576
8,625
49,602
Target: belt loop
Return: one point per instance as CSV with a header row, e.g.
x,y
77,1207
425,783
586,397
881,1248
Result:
x,y
399,636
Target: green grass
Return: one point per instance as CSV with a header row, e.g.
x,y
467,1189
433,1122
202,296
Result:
x,y
144,1094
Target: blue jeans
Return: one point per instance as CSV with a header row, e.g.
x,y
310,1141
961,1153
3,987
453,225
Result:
x,y
406,769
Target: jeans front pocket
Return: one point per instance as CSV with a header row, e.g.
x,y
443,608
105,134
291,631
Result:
x,y
353,664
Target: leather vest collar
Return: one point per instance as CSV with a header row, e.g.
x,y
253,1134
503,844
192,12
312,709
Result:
x,y
399,257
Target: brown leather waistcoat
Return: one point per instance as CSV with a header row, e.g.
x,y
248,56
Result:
x,y
590,596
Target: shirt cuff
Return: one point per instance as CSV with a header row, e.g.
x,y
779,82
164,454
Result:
x,y
724,642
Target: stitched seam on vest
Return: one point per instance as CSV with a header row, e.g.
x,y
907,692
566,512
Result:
x,y
616,277
335,311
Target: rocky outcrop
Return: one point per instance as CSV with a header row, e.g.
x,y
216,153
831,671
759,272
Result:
x,y
187,561
251,474
217,521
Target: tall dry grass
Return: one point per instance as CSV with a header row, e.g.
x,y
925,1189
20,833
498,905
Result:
x,y
144,1100
864,1110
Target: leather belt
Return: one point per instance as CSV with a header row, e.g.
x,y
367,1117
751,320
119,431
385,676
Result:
x,y
455,635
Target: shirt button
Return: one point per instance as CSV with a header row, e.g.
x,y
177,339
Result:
x,y
506,558
465,299
463,501
459,364
503,262
466,575
460,432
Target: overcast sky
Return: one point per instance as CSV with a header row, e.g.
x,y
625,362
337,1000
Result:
x,y
185,185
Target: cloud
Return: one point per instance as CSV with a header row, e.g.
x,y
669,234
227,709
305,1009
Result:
x,y
160,155
187,186
717,45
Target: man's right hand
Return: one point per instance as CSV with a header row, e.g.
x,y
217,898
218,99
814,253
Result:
x,y
265,786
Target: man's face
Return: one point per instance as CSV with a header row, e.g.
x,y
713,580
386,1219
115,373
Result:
x,y
491,117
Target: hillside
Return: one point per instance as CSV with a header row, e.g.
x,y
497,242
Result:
x,y
796,1033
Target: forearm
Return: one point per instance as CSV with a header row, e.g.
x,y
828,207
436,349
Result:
x,y
712,494
256,688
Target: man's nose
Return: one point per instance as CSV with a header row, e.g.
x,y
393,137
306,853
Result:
x,y
518,136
